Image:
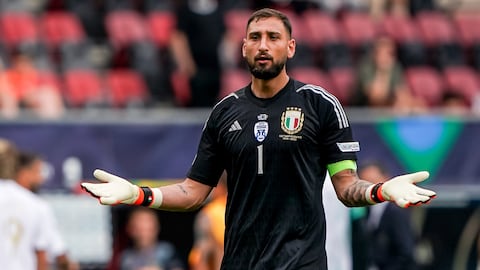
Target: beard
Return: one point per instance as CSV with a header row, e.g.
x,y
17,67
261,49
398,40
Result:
x,y
263,73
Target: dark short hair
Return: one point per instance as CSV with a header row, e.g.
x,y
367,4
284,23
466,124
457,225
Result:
x,y
269,13
26,159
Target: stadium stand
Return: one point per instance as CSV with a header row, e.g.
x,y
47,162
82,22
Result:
x,y
440,37
99,36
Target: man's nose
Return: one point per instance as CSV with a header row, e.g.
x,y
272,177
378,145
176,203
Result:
x,y
263,44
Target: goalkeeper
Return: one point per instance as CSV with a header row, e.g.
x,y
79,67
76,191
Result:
x,y
276,138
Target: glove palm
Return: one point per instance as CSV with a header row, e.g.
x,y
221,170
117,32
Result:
x,y
403,191
114,189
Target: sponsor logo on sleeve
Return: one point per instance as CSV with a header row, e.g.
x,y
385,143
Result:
x,y
349,146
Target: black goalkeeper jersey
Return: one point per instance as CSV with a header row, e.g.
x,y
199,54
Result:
x,y
275,152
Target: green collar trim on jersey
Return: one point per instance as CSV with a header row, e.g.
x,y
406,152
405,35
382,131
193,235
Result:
x,y
334,168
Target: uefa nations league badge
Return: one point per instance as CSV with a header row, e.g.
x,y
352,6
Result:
x,y
261,130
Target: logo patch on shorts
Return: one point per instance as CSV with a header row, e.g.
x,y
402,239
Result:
x,y
349,146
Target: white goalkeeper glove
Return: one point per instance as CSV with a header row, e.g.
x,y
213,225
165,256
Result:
x,y
401,190
116,190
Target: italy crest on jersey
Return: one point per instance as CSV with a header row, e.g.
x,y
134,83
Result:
x,y
292,120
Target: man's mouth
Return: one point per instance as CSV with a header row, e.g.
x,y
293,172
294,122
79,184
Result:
x,y
263,59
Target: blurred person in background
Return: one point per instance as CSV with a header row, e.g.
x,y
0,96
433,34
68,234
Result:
x,y
337,216
23,229
31,175
454,103
209,230
195,48
380,80
390,237
145,250
378,8
27,89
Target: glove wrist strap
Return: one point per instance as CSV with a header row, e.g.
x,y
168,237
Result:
x,y
147,196
376,194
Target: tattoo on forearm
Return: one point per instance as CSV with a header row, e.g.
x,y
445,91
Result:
x,y
355,194
182,189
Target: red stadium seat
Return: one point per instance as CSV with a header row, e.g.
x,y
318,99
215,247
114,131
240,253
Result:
x,y
359,29
126,88
83,88
343,82
467,25
462,79
322,28
17,28
125,27
435,28
312,75
401,28
232,80
58,27
426,83
161,25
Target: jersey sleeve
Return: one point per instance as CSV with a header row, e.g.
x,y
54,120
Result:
x,y
207,165
338,139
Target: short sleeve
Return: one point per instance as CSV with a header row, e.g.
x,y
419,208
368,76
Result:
x,y
207,165
338,139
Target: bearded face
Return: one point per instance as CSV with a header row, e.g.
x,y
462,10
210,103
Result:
x,y
264,67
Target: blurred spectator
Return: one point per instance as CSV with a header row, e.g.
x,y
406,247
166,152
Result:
x,y
454,103
380,80
195,47
23,237
337,216
209,228
31,175
146,252
391,239
378,8
26,89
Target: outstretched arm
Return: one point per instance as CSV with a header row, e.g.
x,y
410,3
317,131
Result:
x,y
402,190
185,196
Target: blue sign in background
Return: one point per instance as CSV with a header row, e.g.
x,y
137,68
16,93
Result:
x,y
165,151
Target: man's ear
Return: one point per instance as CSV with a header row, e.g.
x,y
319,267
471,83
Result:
x,y
243,47
291,48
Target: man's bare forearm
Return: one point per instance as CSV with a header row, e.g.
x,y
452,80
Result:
x,y
184,196
350,189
